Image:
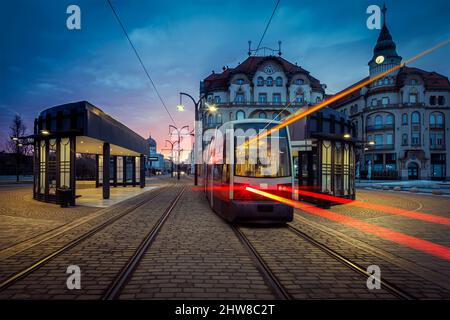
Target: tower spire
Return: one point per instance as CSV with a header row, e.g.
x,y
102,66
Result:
x,y
384,13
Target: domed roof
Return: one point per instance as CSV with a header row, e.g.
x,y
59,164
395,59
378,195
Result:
x,y
151,141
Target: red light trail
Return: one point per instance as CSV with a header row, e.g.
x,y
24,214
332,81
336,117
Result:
x,y
425,246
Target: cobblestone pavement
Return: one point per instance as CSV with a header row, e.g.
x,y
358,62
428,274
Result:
x,y
22,217
196,256
24,254
100,257
419,273
306,271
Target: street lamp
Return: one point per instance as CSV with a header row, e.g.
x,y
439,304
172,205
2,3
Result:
x,y
211,107
347,136
178,131
45,132
196,112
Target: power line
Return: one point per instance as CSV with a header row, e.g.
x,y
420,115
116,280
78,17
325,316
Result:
x,y
140,60
268,23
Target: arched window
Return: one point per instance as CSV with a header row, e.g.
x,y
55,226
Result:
x,y
260,81
389,119
269,81
413,96
240,115
415,118
299,82
240,82
369,120
262,115
279,81
210,119
436,120
219,118
405,119
378,120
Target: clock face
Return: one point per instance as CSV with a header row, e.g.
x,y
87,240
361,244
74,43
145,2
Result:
x,y
379,59
269,69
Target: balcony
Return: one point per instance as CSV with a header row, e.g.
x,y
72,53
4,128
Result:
x,y
437,147
268,104
381,147
437,126
380,127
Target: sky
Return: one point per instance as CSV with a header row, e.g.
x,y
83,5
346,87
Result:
x,y
43,64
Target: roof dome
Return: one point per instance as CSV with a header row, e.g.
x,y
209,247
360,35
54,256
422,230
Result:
x,y
151,141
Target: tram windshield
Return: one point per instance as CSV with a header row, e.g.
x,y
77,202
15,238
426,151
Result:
x,y
267,157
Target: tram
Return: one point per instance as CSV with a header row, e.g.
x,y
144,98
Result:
x,y
234,160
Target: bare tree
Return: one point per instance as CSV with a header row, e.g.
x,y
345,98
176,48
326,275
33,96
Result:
x,y
14,144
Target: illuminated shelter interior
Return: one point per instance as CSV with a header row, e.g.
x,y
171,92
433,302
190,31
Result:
x,y
63,131
323,147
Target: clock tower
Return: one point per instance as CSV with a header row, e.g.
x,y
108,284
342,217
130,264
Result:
x,y
384,54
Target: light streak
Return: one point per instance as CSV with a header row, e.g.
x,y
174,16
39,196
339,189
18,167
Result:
x,y
301,114
425,246
388,209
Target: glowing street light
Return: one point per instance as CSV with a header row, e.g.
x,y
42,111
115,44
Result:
x,y
45,132
211,107
180,107
14,138
347,136
371,143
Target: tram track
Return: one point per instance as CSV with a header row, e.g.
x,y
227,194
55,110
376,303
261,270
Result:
x,y
115,289
391,288
73,243
272,281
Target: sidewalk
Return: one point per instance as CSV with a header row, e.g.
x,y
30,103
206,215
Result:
x,y
423,186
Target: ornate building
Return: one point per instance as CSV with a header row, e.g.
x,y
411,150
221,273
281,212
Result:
x,y
260,87
405,113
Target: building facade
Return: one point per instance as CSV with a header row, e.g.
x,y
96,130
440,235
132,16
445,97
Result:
x,y
405,114
157,166
270,87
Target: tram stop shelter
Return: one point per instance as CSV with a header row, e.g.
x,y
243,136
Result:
x,y
323,146
63,131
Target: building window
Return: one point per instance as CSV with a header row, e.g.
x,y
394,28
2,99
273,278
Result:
x,y
262,98
413,82
219,118
217,99
240,115
354,109
240,98
385,101
369,120
441,100
276,98
404,119
404,139
413,96
415,138
436,120
260,82
378,139
240,82
369,137
262,115
390,119
378,121
432,100
210,119
299,98
279,81
318,99
299,82
438,166
415,118
276,116
389,139
269,81
386,81
374,102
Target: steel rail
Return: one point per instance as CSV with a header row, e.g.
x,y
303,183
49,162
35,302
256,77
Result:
x,y
21,274
270,278
352,265
113,292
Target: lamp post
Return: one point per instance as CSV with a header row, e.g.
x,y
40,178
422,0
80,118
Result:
x,y
180,107
178,132
172,145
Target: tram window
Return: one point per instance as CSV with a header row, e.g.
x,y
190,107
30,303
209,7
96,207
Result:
x,y
268,157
